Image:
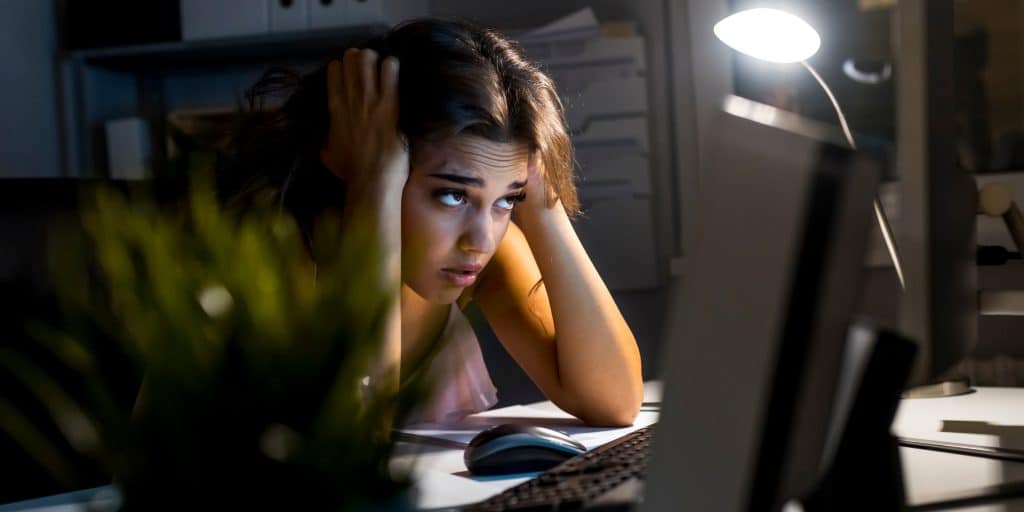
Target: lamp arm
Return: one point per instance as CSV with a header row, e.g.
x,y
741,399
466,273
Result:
x,y
883,221
835,104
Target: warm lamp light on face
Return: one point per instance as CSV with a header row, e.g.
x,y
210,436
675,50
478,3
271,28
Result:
x,y
777,36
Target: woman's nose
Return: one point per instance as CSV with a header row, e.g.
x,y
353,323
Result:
x,y
478,234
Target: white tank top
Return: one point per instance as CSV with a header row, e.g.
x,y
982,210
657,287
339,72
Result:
x,y
462,384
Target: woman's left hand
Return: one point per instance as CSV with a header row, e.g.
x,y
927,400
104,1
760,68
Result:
x,y
539,196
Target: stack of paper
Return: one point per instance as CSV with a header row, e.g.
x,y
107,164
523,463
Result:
x,y
601,79
460,434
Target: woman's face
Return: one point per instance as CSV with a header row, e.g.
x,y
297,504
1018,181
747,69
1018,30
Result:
x,y
456,207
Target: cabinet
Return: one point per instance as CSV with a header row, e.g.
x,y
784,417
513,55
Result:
x,y
154,80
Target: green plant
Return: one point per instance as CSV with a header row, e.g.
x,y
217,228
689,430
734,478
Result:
x,y
252,365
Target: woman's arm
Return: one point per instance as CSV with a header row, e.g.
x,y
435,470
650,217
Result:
x,y
364,148
567,334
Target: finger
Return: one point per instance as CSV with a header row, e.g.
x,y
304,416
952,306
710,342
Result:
x,y
351,74
389,82
335,87
368,72
534,165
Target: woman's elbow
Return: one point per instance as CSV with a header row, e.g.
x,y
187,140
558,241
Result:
x,y
620,412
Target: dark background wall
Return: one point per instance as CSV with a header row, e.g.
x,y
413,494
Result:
x,y
29,144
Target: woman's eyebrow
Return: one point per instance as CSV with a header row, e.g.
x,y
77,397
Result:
x,y
460,179
474,181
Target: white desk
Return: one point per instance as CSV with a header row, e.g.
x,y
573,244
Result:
x,y
443,480
996,416
988,417
991,417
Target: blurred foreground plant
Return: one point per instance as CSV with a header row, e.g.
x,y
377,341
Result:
x,y
252,360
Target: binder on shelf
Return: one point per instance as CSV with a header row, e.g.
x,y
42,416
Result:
x,y
288,15
574,65
598,51
128,148
327,14
594,192
205,19
577,26
632,171
343,13
601,81
615,193
361,12
614,135
616,97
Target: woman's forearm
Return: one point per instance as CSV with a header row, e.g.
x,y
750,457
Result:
x,y
598,360
372,214
364,147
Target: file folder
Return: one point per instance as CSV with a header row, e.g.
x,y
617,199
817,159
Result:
x,y
615,97
574,65
633,170
607,135
602,85
128,148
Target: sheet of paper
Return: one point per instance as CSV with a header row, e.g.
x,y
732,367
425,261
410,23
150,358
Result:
x,y
578,25
592,437
462,433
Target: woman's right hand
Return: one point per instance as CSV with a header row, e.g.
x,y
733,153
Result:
x,y
364,146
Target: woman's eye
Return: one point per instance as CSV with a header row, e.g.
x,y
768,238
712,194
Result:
x,y
507,203
451,197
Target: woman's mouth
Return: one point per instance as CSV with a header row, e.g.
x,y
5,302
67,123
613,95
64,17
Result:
x,y
461,276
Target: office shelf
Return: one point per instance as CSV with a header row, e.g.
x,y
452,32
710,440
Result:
x,y
152,80
209,53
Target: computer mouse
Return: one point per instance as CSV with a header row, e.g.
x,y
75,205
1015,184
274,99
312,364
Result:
x,y
511,448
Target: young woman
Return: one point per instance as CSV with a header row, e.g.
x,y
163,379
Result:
x,y
453,146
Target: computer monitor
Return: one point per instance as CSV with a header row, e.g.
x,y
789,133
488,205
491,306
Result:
x,y
761,314
938,210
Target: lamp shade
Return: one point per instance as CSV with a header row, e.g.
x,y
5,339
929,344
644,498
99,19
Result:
x,y
769,34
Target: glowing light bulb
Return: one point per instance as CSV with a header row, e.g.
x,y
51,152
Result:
x,y
769,34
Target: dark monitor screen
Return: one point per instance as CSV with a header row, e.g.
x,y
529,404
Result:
x,y
762,311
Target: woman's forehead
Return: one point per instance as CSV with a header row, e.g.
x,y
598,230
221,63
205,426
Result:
x,y
474,154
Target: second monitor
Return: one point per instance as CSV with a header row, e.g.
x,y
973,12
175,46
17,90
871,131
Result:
x,y
757,336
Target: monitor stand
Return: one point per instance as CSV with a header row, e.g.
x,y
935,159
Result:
x,y
866,455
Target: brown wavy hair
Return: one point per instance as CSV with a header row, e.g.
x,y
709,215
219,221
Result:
x,y
455,78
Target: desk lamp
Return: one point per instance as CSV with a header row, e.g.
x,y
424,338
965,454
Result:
x,y
777,36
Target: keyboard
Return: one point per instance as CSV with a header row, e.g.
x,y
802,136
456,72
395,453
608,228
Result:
x,y
609,476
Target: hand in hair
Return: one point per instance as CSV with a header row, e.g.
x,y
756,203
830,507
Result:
x,y
539,195
364,146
